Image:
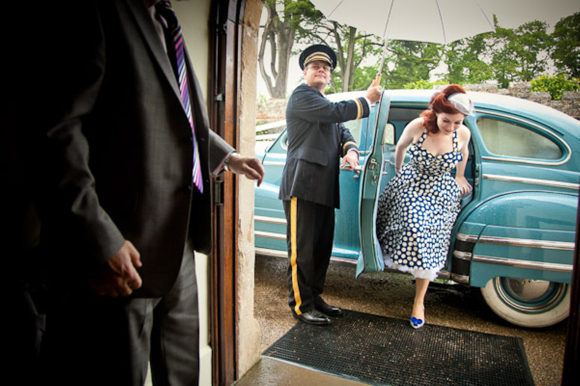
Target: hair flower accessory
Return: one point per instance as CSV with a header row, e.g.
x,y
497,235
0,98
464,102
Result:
x,y
462,103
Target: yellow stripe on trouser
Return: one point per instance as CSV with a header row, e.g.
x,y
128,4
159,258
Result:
x,y
294,255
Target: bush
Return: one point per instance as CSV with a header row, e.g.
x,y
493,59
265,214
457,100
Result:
x,y
555,85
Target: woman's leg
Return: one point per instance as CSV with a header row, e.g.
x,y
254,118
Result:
x,y
421,286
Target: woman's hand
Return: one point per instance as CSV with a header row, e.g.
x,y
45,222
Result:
x,y
463,185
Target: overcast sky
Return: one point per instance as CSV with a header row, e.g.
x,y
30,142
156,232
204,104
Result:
x,y
517,13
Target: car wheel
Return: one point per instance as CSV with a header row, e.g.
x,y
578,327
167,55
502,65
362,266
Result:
x,y
526,302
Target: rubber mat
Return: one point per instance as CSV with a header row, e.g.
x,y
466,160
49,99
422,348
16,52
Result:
x,y
385,351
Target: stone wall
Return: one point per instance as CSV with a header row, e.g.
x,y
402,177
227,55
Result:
x,y
271,110
275,109
570,103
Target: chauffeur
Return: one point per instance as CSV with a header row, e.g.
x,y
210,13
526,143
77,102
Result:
x,y
309,188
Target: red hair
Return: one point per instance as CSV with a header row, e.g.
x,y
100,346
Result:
x,y
440,104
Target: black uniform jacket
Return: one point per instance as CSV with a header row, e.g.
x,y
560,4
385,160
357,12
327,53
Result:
x,y
316,141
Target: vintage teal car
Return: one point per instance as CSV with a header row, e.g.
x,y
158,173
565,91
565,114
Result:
x,y
514,237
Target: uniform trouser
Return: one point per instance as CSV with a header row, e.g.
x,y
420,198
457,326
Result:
x,y
309,235
109,341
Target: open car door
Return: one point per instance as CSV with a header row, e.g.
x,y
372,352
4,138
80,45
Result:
x,y
370,257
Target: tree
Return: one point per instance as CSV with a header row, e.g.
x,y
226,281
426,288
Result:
x,y
517,53
566,48
464,60
351,50
287,21
293,21
412,61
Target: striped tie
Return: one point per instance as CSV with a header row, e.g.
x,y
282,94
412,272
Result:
x,y
178,58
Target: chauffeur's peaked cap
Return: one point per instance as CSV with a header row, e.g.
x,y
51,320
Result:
x,y
317,52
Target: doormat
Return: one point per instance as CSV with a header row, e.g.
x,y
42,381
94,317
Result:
x,y
386,351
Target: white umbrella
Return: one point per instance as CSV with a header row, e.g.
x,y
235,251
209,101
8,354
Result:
x,y
434,21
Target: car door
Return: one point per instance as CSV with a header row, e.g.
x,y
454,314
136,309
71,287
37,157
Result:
x,y
346,245
370,257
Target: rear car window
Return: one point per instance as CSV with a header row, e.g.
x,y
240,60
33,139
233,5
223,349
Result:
x,y
507,138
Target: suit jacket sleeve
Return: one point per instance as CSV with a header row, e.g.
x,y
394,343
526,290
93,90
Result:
x,y
66,186
309,104
218,151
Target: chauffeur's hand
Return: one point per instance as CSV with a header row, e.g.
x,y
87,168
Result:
x,y
352,158
118,276
248,166
374,93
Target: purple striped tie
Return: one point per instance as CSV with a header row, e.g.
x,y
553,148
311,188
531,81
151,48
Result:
x,y
176,39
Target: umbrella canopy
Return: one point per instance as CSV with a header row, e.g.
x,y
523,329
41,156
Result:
x,y
434,21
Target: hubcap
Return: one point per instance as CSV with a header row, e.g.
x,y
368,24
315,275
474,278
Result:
x,y
526,295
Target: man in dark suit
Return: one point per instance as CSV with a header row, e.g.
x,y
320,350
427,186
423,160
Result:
x,y
113,163
309,188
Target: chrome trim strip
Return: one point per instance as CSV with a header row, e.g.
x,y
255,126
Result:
x,y
364,152
527,243
524,161
284,141
270,235
270,252
270,220
529,123
462,255
284,254
272,163
555,267
467,238
534,181
343,260
461,279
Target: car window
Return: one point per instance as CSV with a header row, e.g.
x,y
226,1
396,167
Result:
x,y
510,139
389,134
399,118
355,128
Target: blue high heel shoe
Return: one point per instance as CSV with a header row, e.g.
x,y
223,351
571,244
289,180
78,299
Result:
x,y
416,323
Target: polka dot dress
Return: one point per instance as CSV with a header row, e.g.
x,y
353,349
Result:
x,y
417,211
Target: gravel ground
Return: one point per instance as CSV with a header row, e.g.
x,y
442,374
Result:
x,y
391,294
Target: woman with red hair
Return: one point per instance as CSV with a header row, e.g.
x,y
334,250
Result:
x,y
419,206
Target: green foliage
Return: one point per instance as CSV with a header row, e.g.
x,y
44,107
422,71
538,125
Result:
x,y
261,100
423,84
555,85
515,52
505,55
464,60
410,61
566,45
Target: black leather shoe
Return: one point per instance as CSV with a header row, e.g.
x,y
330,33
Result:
x,y
327,309
312,317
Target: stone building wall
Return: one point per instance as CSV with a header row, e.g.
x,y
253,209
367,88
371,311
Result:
x,y
275,109
569,104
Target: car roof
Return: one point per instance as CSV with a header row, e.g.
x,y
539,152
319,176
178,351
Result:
x,y
483,102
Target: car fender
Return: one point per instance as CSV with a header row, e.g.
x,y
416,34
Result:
x,y
527,234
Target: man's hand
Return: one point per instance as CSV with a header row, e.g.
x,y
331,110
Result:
x,y
374,93
118,276
352,158
248,166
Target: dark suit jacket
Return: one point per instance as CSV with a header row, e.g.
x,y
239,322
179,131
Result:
x,y
114,144
316,141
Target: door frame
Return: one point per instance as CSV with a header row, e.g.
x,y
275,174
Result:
x,y
224,75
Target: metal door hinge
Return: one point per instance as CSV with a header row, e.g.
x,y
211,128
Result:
x,y
218,192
